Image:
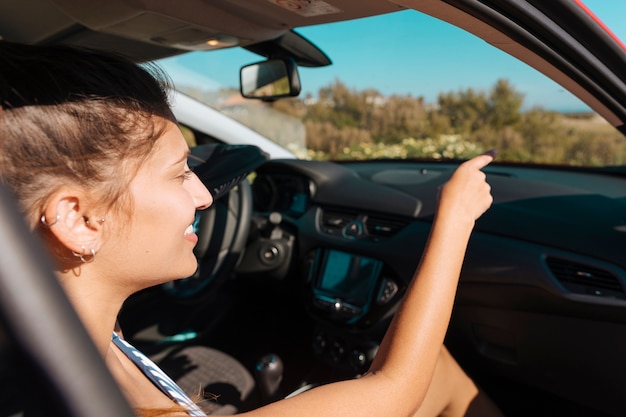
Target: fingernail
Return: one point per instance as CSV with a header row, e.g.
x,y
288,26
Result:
x,y
491,152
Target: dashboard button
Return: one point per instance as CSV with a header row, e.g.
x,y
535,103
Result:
x,y
388,290
353,230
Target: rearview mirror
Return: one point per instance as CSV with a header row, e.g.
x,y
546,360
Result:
x,y
270,80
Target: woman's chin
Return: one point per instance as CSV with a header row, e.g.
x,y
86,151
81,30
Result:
x,y
193,267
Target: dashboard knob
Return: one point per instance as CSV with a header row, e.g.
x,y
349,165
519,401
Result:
x,y
357,359
275,218
270,253
353,230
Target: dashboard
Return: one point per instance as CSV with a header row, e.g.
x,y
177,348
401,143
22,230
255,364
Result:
x,y
552,243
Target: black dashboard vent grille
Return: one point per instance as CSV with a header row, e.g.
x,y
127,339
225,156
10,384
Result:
x,y
584,279
333,221
361,226
382,226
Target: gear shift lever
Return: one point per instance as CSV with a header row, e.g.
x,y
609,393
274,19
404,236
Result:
x,y
269,374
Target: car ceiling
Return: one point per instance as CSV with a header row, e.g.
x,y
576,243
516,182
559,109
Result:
x,y
162,28
583,59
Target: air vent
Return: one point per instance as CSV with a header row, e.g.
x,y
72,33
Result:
x,y
383,227
353,225
333,221
584,279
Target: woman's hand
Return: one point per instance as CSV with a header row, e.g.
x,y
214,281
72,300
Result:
x,y
467,193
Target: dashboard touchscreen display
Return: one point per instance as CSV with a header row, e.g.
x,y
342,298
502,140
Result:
x,y
349,277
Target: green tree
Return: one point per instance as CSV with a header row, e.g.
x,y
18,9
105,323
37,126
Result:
x,y
343,123
504,105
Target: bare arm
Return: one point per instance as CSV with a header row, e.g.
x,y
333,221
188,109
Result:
x,y
402,370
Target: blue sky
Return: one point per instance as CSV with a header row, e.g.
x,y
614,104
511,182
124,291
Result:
x,y
441,60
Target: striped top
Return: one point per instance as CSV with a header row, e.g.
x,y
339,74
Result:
x,y
158,377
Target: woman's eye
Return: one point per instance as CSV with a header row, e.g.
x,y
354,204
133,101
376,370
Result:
x,y
186,175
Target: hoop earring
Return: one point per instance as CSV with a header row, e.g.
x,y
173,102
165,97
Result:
x,y
44,223
84,257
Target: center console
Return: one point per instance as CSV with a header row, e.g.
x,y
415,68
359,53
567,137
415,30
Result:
x,y
349,295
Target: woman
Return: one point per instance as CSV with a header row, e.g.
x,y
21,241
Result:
x,y
94,156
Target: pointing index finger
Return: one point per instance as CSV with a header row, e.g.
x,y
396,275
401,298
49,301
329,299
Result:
x,y
483,159
492,152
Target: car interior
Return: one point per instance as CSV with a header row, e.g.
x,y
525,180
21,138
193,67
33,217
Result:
x,y
303,264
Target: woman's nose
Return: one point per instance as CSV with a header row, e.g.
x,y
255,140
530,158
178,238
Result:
x,y
201,195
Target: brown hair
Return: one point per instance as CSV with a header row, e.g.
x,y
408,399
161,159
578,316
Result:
x,y
76,116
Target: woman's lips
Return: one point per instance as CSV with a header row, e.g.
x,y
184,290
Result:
x,y
190,235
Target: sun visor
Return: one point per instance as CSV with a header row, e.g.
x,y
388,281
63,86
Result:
x,y
221,167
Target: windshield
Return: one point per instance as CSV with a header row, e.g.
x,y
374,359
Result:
x,y
406,85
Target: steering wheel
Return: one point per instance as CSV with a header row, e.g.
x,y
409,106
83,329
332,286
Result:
x,y
223,228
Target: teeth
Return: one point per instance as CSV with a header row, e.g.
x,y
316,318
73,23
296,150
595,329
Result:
x,y
189,230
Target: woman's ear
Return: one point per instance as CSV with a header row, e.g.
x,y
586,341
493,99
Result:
x,y
68,216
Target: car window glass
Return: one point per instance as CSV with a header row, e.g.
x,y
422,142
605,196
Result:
x,y
427,89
